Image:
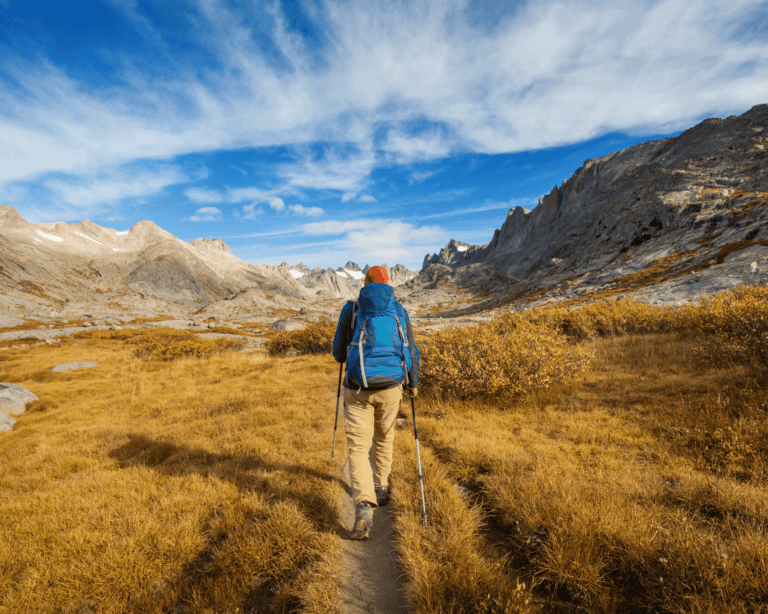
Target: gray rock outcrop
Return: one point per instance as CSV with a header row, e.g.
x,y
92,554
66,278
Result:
x,y
287,325
6,422
14,399
10,321
75,365
663,220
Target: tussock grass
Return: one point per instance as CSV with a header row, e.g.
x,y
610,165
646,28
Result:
x,y
316,338
166,344
123,334
502,358
448,565
197,485
613,492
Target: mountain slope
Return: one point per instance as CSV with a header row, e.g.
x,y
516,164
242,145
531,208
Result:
x,y
665,219
76,267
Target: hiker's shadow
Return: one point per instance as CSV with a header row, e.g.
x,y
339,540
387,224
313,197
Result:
x,y
250,473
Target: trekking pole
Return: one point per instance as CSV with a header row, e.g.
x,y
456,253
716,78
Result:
x,y
418,460
336,422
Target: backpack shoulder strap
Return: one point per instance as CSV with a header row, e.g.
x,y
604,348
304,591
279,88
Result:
x,y
353,320
404,342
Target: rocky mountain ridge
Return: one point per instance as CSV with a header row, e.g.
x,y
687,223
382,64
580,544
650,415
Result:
x,y
665,220
58,268
346,281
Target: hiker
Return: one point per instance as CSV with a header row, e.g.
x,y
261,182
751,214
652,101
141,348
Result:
x,y
375,339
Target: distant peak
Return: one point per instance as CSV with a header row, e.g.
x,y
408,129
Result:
x,y
211,244
145,224
9,215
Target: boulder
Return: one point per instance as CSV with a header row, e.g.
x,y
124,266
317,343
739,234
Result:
x,y
6,422
286,325
14,399
75,365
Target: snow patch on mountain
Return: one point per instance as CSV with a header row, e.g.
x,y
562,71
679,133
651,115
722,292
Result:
x,y
49,237
87,237
355,274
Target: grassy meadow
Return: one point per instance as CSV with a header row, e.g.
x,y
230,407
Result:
x,y
609,459
191,485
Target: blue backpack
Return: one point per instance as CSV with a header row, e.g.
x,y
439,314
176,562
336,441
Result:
x,y
378,355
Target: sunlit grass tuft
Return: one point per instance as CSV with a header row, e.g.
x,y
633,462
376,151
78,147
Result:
x,y
316,338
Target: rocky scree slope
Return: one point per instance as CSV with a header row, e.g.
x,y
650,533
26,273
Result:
x,y
664,221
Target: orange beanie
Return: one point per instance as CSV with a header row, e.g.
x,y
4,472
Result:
x,y
376,274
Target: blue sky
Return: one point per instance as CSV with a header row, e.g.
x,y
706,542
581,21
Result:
x,y
322,131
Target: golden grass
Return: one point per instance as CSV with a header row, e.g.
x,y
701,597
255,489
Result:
x,y
198,485
448,566
316,338
504,357
166,345
614,493
205,485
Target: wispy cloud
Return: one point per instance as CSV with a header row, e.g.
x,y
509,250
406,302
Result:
x,y
526,203
235,196
201,195
367,198
306,211
550,73
206,214
271,233
382,240
93,194
419,176
335,168
249,212
115,184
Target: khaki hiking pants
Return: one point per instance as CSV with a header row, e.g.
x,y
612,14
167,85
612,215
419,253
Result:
x,y
369,418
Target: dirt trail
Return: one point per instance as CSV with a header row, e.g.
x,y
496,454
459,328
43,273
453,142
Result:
x,y
370,572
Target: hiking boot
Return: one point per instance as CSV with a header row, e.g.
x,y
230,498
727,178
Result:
x,y
363,521
382,495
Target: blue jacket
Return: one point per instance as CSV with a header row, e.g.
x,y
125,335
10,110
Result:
x,y
374,298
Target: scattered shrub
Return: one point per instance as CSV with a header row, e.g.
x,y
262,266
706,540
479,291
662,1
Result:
x,y
316,338
164,345
611,318
504,357
735,326
227,330
120,335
